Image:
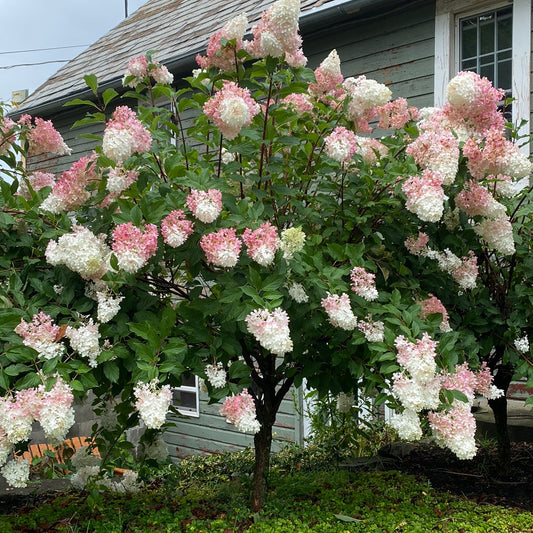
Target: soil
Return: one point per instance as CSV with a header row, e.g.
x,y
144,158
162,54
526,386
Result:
x,y
479,479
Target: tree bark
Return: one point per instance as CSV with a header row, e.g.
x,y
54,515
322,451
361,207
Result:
x,y
262,445
502,380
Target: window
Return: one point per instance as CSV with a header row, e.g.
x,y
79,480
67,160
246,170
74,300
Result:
x,y
490,38
186,398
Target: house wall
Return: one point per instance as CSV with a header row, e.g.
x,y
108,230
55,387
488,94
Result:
x,y
210,433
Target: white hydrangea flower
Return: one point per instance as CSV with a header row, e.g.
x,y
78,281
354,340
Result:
x,y
407,425
297,293
85,341
345,402
216,375
17,473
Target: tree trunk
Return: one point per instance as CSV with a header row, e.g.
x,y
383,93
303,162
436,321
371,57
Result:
x,y
262,445
502,380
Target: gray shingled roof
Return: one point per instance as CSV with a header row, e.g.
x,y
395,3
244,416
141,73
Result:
x,y
177,29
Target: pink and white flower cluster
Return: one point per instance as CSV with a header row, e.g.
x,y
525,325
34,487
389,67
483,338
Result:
x,y
363,284
328,77
85,339
339,311
81,251
51,408
42,137
41,334
133,247
231,108
176,229
223,56
239,410
222,248
271,329
216,375
36,181
396,114
152,403
432,305
364,96
418,388
140,68
425,195
262,243
70,192
276,34
463,270
125,135
7,134
205,205
340,144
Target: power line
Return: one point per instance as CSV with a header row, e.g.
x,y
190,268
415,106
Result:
x,y
33,64
44,49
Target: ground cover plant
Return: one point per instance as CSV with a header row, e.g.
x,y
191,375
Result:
x,y
211,494
268,241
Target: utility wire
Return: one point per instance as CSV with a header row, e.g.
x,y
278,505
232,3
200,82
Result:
x,y
33,64
44,49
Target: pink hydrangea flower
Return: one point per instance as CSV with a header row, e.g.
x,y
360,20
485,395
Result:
x,y
42,335
300,102
370,149
455,429
231,108
437,151
7,136
262,243
139,68
418,359
373,330
271,329
497,232
119,179
69,192
475,101
425,196
396,114
176,229
124,135
340,144
43,137
484,383
276,34
239,410
328,77
476,200
363,283
37,180
222,56
417,245
433,305
364,96
339,311
222,248
205,205
134,247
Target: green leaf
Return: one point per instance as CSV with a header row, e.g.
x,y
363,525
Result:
x,y
92,82
345,518
111,371
108,95
78,101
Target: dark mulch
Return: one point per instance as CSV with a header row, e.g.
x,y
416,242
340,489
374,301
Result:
x,y
479,479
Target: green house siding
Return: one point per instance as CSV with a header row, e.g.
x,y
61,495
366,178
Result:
x,y
210,433
396,48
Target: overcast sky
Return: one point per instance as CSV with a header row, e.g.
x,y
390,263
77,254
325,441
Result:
x,y
38,24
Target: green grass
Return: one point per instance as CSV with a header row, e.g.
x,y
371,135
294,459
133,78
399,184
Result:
x,y
334,501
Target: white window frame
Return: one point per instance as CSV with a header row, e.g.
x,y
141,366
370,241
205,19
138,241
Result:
x,y
187,411
447,16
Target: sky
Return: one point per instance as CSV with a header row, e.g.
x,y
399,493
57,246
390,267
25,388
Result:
x,y
34,25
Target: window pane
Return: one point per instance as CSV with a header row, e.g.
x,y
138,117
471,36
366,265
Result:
x,y
184,400
505,30
487,71
471,64
505,75
188,382
469,39
486,36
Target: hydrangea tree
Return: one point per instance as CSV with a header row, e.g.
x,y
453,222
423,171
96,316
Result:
x,y
270,241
